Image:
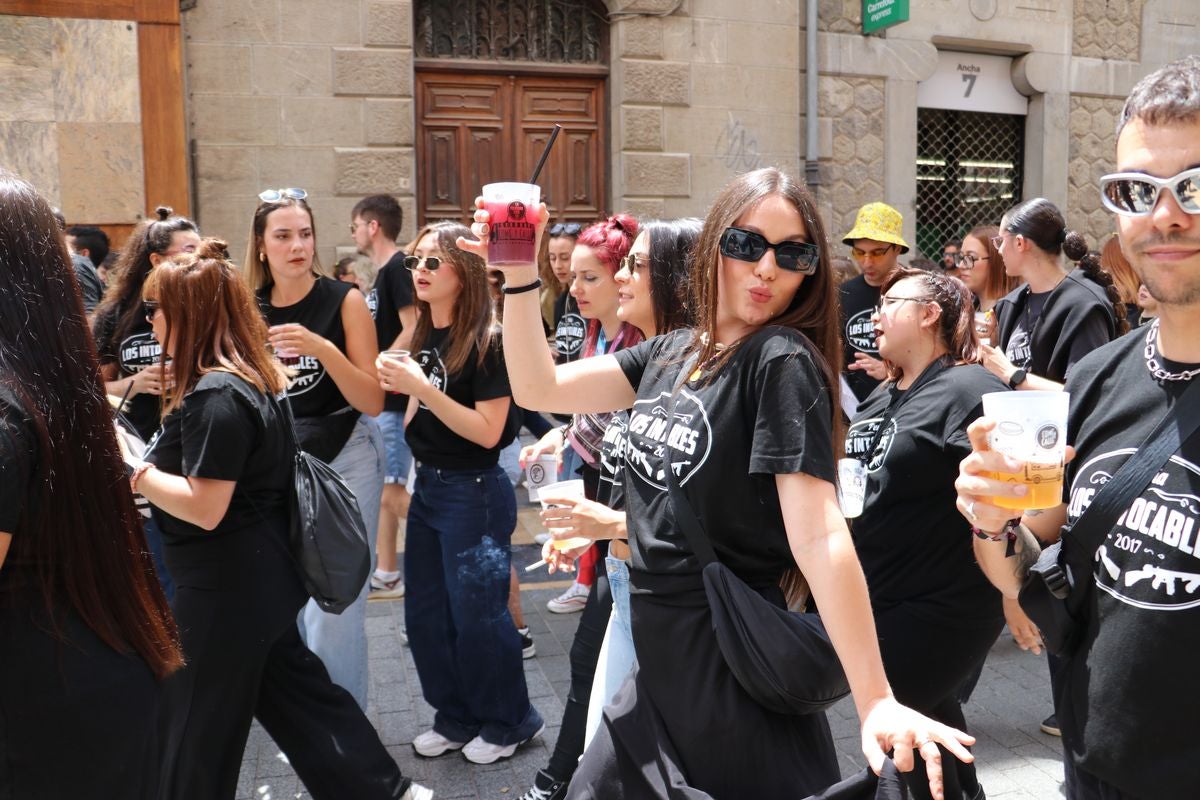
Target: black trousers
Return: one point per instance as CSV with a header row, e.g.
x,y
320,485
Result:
x,y
77,718
236,609
585,654
927,665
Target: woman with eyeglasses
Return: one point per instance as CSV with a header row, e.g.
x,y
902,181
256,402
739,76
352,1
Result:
x,y
219,478
750,442
86,637
981,267
130,361
935,612
322,330
463,512
1056,317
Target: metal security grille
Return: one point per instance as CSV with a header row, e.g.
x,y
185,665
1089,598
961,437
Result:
x,y
968,172
551,31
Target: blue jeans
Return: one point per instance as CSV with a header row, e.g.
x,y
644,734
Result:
x,y
463,642
341,639
397,455
617,657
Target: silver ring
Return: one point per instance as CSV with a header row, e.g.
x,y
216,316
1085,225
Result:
x,y
971,511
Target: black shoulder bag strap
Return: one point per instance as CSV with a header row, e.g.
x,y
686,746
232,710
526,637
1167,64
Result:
x,y
685,516
1175,428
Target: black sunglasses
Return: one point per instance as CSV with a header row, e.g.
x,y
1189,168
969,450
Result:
x,y
565,229
149,307
431,263
746,245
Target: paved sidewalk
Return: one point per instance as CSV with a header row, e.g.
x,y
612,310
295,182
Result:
x,y
1016,761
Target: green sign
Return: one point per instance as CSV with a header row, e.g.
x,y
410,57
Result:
x,y
880,14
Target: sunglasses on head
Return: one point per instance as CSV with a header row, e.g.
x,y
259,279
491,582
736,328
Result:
x,y
745,245
149,307
431,263
1135,194
565,229
275,195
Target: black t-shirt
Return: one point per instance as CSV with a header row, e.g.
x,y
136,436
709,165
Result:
x,y
1019,349
570,330
226,430
393,291
431,441
312,391
857,300
611,464
914,545
132,351
90,288
766,412
1128,712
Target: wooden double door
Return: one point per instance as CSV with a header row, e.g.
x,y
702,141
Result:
x,y
477,128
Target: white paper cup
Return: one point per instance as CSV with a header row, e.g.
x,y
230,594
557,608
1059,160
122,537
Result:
x,y
1032,428
540,472
852,486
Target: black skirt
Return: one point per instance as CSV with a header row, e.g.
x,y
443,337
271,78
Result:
x,y
683,727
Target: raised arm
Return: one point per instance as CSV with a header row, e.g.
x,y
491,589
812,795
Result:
x,y
590,385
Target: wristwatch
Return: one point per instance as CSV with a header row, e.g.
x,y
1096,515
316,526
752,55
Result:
x,y
1018,377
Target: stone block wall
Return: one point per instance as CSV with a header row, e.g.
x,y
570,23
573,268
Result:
x,y
1092,153
1108,29
70,114
301,93
853,173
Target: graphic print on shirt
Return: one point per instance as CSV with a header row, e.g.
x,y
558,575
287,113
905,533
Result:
x,y
654,442
434,367
860,436
612,453
1019,349
570,333
373,302
309,371
1151,558
138,351
860,332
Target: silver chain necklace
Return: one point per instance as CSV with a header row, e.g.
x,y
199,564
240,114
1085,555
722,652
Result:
x,y
1156,367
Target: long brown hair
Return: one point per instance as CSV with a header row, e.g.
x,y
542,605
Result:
x,y
812,312
212,323
80,530
474,323
956,324
999,282
255,267
1124,278
121,307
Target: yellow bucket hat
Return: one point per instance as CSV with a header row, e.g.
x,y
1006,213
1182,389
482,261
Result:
x,y
880,222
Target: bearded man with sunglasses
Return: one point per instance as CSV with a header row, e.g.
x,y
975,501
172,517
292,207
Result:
x,y
876,242
1125,695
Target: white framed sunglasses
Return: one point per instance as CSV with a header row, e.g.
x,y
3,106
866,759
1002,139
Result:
x,y
1135,194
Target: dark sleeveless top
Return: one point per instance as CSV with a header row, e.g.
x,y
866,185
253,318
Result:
x,y
324,418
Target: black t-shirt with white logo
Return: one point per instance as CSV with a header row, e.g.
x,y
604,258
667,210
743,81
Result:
x,y
914,545
132,351
226,430
1128,709
312,391
393,291
611,464
431,441
570,331
1019,349
766,412
857,300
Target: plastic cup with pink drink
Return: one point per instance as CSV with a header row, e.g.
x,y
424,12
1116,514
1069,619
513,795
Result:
x,y
512,222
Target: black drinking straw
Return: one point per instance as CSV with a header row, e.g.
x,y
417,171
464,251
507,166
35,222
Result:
x,y
545,153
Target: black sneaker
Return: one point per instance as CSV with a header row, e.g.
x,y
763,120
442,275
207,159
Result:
x,y
528,648
1050,725
545,788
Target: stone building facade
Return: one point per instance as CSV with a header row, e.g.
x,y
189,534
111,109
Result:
x,y
322,94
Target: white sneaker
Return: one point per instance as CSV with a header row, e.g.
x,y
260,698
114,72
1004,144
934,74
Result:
x,y
570,601
432,744
477,751
417,792
381,586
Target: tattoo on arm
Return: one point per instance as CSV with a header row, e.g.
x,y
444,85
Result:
x,y
1026,550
